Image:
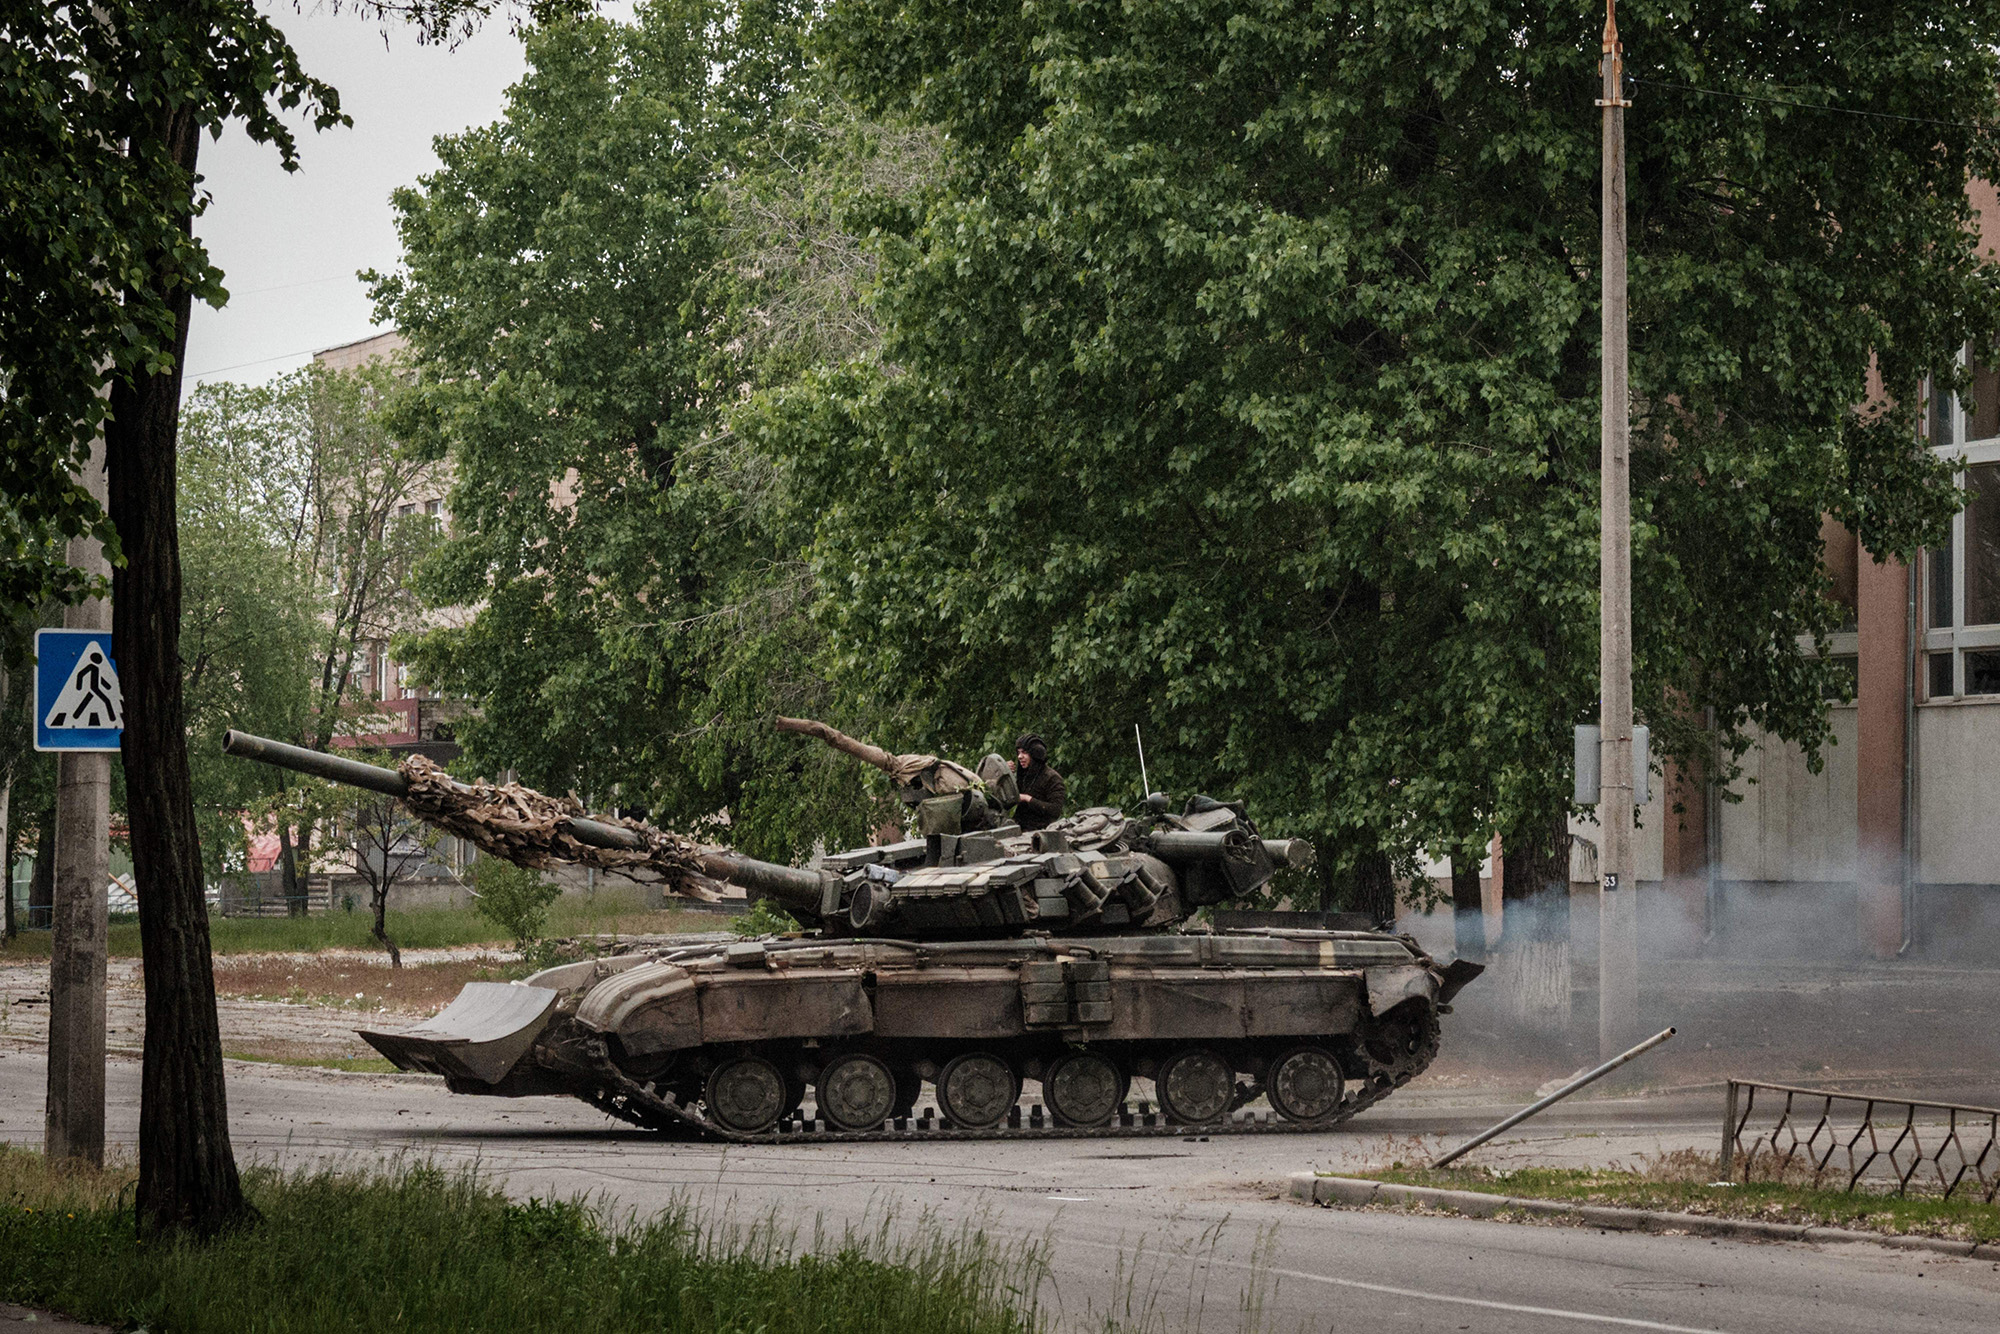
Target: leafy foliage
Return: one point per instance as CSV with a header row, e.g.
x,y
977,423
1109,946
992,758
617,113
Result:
x,y
589,286
1240,379
765,918
513,898
95,233
294,558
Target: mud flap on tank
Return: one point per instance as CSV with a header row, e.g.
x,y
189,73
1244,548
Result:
x,y
1389,987
1456,974
480,1036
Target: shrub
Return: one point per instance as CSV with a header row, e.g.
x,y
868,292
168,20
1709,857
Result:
x,y
514,899
765,918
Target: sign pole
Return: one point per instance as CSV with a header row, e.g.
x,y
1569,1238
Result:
x,y
81,921
1617,918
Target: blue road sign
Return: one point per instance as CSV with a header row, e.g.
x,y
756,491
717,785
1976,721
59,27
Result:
x,y
78,705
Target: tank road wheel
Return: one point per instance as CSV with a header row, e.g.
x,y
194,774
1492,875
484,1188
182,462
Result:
x,y
1083,1089
1305,1084
856,1092
1196,1087
975,1090
746,1094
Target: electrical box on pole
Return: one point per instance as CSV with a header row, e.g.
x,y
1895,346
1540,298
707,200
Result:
x,y
1589,742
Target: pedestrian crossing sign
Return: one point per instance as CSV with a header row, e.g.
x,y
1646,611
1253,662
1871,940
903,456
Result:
x,y
78,705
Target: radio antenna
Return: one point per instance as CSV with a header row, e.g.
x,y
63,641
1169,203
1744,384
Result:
x,y
1145,784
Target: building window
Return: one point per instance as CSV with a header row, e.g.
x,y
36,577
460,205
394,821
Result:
x,y
433,507
1962,577
1843,569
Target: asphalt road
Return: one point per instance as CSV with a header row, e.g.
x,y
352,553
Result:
x,y
1168,1234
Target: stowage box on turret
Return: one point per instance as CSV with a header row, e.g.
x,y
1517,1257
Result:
x,y
970,958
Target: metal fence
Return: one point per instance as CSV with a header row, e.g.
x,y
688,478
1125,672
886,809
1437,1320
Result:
x,y
1850,1141
262,894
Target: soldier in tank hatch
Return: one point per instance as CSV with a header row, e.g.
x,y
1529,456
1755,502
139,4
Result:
x,y
1042,790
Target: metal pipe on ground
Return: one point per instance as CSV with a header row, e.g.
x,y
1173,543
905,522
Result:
x,y
1589,1077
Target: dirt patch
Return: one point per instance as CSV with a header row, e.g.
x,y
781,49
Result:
x,y
350,982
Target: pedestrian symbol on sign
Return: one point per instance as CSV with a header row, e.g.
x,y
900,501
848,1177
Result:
x,y
90,697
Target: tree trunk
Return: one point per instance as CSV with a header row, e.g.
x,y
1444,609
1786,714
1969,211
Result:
x,y
6,838
1468,910
288,865
1534,942
187,1173
42,883
7,857
378,902
1373,890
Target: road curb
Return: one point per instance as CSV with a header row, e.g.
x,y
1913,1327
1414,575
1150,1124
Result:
x,y
1355,1192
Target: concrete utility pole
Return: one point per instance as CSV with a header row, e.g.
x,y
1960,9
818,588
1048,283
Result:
x,y
1617,918
75,1122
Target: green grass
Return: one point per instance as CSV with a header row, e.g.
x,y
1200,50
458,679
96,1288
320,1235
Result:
x,y
359,1065
1684,1182
418,1249
610,912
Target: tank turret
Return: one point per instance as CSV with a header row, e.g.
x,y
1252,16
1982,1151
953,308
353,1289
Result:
x,y
1094,871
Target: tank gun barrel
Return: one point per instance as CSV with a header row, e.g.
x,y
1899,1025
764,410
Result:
x,y
317,764
388,782
797,889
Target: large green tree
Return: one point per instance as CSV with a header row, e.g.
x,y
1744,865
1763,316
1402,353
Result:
x,y
1240,380
101,113
589,287
102,108
300,529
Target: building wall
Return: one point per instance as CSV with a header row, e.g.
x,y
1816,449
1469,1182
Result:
x,y
1958,794
353,356
1793,825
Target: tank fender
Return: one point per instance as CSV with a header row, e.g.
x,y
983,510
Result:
x,y
1389,987
651,1008
568,977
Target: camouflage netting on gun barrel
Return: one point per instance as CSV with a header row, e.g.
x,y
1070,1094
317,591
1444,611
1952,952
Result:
x,y
525,827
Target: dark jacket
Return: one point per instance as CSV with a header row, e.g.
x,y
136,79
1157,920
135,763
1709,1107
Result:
x,y
1042,795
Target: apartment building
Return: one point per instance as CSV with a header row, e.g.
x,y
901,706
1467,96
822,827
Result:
x,y
416,720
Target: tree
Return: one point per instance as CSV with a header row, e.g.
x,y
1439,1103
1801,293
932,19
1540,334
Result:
x,y
515,899
248,612
102,107
102,111
387,845
1240,379
588,287
302,533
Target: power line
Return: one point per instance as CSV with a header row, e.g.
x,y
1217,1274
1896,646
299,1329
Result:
x,y
217,370
1810,106
286,287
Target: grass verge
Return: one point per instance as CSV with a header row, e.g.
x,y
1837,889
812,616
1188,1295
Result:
x,y
1684,1182
418,1249
611,912
354,1065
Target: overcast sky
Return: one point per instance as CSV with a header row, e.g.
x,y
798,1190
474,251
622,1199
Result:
x,y
290,243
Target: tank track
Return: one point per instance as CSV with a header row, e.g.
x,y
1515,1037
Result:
x,y
628,1100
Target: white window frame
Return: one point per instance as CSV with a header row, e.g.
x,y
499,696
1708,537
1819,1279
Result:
x,y
1957,637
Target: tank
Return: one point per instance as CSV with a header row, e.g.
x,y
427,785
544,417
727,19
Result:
x,y
964,960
